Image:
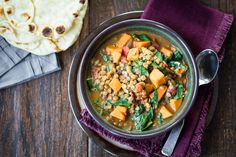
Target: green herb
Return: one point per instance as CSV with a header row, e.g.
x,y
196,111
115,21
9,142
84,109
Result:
x,y
156,66
137,66
89,82
144,120
141,37
179,91
159,55
107,67
135,36
91,85
177,56
144,37
105,57
174,64
154,99
159,118
120,102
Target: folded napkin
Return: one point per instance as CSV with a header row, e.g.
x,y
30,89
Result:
x,y
17,66
201,27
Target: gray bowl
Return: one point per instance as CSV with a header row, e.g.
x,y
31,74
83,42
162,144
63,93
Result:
x,y
146,25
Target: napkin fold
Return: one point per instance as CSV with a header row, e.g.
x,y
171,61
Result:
x,y
18,66
201,27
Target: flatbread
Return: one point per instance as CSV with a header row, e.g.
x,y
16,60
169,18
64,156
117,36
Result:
x,y
53,25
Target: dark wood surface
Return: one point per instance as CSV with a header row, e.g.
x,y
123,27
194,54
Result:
x,y
36,119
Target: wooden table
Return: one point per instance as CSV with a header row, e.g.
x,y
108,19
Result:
x,y
36,119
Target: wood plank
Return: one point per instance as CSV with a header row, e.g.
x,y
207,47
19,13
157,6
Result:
x,y
220,136
36,119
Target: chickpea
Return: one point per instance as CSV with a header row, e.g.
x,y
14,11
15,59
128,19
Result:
x,y
143,78
115,98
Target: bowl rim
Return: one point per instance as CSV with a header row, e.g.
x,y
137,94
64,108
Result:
x,y
138,135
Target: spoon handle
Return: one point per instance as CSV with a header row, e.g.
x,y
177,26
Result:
x,y
171,141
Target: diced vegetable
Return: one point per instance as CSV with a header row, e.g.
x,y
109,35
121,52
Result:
x,y
157,77
133,54
175,104
115,84
110,49
166,52
139,87
161,91
122,109
125,50
140,44
116,56
117,114
144,120
165,112
123,40
123,59
148,87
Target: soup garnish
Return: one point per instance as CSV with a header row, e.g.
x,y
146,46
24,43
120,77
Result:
x,y
137,80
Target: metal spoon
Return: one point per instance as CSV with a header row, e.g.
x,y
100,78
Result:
x,y
208,65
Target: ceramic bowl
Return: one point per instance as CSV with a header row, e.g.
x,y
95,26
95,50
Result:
x,y
139,25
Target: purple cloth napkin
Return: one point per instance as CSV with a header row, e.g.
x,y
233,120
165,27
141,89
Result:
x,y
201,27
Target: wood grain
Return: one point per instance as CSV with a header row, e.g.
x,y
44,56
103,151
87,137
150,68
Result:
x,y
36,119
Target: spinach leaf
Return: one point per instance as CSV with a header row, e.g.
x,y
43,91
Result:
x,y
174,64
137,66
141,37
154,99
177,56
98,103
91,85
107,67
120,102
159,118
144,120
106,57
159,55
135,36
89,82
156,66
179,92
144,37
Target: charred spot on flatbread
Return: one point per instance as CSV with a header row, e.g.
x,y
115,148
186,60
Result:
x,y
60,29
47,32
3,29
26,16
76,14
9,10
32,27
1,11
6,0
82,1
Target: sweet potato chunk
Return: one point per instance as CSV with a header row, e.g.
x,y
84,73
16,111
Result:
x,y
123,40
161,91
157,77
148,87
165,112
122,109
110,49
166,52
133,54
116,56
140,44
115,84
117,114
175,104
